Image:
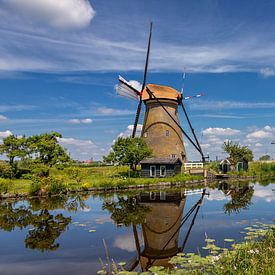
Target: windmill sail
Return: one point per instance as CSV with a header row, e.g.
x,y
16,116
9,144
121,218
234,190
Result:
x,y
124,88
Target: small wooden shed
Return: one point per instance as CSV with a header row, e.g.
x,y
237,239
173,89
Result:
x,y
160,167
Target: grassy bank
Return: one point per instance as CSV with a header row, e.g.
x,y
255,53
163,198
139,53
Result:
x,y
80,178
255,255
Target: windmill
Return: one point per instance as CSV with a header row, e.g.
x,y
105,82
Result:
x,y
161,126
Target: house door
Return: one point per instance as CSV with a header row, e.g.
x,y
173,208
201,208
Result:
x,y
153,171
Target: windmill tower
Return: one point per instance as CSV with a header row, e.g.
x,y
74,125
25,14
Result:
x,y
161,127
160,131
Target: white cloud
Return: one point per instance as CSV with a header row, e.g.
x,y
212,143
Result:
x,y
266,133
129,130
76,142
79,121
222,105
59,14
74,121
5,134
258,144
267,72
264,193
86,120
114,112
126,242
81,149
220,132
3,118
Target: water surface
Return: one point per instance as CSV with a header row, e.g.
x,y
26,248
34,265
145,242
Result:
x,y
69,235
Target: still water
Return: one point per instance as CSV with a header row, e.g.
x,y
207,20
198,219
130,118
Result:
x,y
75,234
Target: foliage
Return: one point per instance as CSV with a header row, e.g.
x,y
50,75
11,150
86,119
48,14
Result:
x,y
4,185
5,170
46,148
265,157
76,173
13,147
256,255
128,151
237,152
126,211
45,227
43,148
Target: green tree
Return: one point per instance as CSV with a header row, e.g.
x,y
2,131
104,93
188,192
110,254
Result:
x,y
265,157
128,151
45,149
14,147
237,152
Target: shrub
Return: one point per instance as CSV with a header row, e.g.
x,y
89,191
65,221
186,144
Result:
x,y
41,171
5,170
76,173
55,186
4,185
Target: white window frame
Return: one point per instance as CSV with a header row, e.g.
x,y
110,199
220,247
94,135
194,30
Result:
x,y
160,173
151,175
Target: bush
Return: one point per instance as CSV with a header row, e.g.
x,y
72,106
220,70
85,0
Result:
x,y
5,170
76,173
41,171
47,185
55,186
4,185
35,188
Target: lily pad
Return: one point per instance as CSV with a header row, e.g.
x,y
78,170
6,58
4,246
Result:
x,y
229,240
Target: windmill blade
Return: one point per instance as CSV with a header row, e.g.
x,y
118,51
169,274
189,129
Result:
x,y
193,96
143,83
124,88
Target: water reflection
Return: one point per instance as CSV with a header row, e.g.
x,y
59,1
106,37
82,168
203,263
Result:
x,y
161,217
240,194
44,228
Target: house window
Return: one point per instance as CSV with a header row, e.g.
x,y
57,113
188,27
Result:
x,y
162,170
167,133
162,196
173,156
153,171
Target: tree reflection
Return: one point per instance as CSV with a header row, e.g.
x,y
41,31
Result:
x,y
241,195
126,211
45,227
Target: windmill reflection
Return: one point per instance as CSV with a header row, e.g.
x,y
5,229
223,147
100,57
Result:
x,y
161,219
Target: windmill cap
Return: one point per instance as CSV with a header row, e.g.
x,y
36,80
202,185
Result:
x,y
161,92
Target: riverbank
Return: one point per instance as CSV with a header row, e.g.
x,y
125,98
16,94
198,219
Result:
x,y
68,180
255,255
92,179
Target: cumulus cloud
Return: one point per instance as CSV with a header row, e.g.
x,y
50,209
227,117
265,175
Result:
x,y
79,121
220,132
5,134
129,130
81,149
61,14
3,118
265,133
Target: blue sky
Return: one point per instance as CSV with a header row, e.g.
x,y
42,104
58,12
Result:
x,y
59,63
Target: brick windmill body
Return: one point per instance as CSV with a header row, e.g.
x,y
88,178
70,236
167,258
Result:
x,y
161,126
